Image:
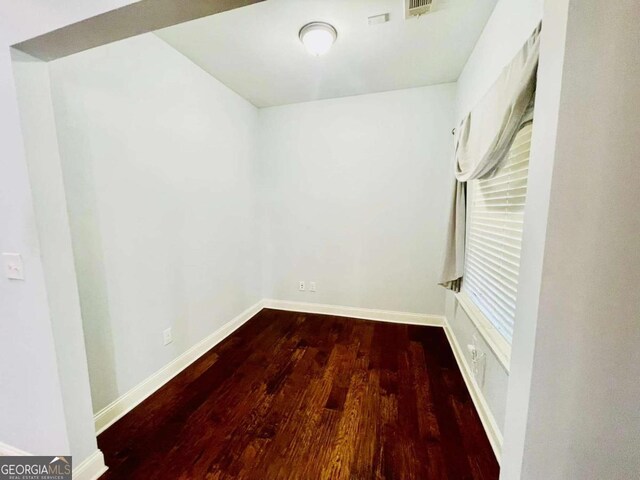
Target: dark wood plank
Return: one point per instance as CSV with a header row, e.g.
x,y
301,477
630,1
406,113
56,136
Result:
x,y
302,396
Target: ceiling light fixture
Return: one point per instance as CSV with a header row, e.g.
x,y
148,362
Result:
x,y
317,37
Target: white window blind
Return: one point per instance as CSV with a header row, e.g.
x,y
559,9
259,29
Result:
x,y
494,236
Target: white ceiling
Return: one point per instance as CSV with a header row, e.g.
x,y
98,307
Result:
x,y
255,50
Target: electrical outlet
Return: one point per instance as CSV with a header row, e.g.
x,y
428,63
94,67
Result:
x,y
301,286
478,361
312,286
167,336
13,266
473,351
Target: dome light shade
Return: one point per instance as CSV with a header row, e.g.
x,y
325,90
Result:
x,y
317,37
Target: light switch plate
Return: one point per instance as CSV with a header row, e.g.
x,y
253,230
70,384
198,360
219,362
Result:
x,y
13,267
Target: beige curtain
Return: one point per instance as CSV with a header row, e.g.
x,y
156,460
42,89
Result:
x,y
483,140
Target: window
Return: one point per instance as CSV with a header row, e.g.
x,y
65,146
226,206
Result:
x,y
494,236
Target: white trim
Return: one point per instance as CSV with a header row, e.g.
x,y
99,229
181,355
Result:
x,y
484,412
91,468
117,409
7,450
127,402
124,404
361,313
498,344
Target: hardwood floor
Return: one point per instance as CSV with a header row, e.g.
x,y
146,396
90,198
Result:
x,y
302,396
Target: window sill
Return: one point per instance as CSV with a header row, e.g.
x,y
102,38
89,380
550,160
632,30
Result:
x,y
498,344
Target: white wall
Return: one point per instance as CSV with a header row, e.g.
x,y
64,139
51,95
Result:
x,y
355,198
31,394
585,350
573,395
28,372
36,110
511,23
157,165
509,26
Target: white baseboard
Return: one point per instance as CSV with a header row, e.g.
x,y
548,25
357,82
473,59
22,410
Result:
x,y
117,409
361,313
9,451
124,404
486,417
91,468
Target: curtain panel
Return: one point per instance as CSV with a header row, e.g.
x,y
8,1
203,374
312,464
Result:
x,y
483,140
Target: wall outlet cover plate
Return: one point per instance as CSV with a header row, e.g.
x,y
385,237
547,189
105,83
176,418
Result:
x,y
13,267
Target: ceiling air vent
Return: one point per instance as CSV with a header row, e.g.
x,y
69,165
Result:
x,y
415,8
